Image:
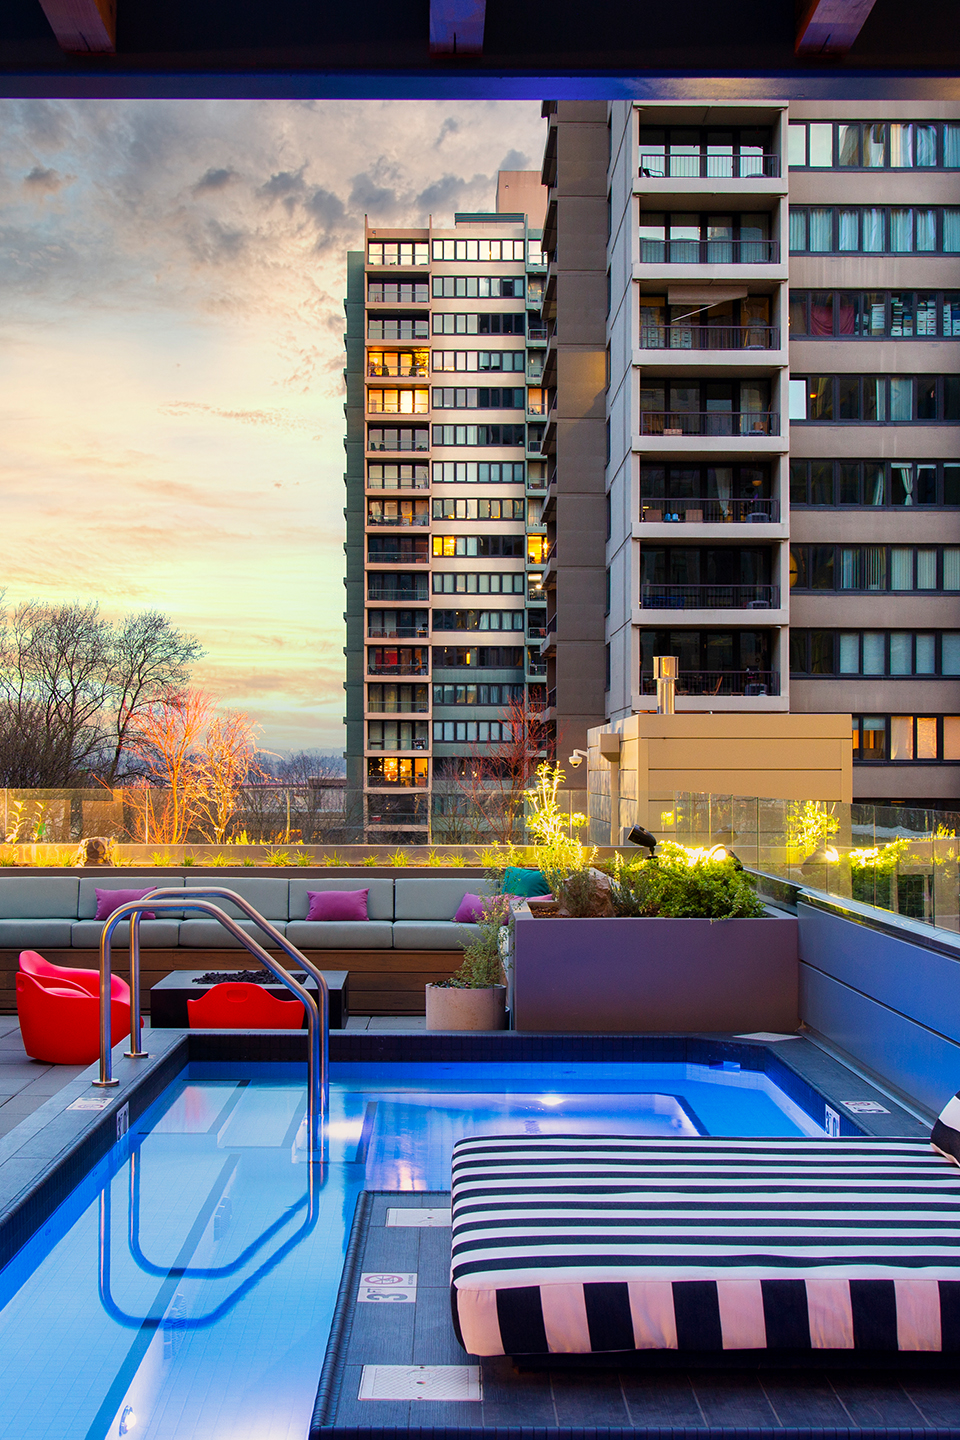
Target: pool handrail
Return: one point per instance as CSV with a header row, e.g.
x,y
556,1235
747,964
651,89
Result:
x,y
317,1013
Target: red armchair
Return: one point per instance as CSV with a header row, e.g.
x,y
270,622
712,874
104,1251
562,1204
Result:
x,y
240,1005
31,963
60,1017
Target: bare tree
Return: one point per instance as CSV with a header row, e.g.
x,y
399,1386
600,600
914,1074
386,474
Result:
x,y
74,685
493,778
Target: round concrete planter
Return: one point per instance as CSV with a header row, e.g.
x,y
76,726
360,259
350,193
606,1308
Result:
x,y
450,1008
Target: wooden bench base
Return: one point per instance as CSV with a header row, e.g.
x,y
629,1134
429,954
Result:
x,y
382,982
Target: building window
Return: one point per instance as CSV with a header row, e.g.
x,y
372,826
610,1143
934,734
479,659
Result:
x,y
873,145
476,435
479,508
874,229
875,567
478,397
398,292
479,360
478,287
394,770
875,483
478,620
397,477
684,152
481,547
400,437
398,402
478,472
449,324
472,732
400,363
473,694
479,250
707,239
875,314
483,582
909,738
606,667
477,657
893,653
397,735
874,399
397,252
393,328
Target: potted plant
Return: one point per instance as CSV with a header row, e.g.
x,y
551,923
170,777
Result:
x,y
678,942
474,998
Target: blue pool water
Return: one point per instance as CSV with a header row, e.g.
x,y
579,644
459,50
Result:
x,y
185,1288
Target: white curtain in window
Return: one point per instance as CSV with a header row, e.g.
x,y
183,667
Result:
x,y
900,657
901,230
951,737
872,228
901,568
901,146
850,568
850,654
951,568
926,145
926,569
873,653
901,397
951,231
926,229
798,229
821,228
874,147
796,144
926,737
901,737
876,566
949,648
875,493
951,146
926,654
903,473
849,230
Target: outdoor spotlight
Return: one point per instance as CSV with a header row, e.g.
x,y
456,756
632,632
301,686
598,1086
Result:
x,y
722,851
639,836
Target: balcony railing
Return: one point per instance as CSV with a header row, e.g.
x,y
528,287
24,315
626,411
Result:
x,y
657,166
403,444
373,669
708,510
392,485
396,557
400,372
398,597
542,409
402,632
398,707
536,632
536,332
709,252
748,423
536,482
710,337
398,521
719,682
536,667
709,597
400,747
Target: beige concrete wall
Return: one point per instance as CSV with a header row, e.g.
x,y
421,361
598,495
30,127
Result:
x,y
778,757
520,192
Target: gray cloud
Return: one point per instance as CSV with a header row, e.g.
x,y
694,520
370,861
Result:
x,y
214,180
371,198
514,160
46,181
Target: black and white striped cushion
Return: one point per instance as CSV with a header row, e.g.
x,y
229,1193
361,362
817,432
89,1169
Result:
x,y
577,1244
945,1135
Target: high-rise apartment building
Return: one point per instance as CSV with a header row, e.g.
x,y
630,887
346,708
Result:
x,y
781,406
445,480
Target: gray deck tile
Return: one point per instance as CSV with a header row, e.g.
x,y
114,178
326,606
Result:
x,y
435,1342
588,1397
875,1399
937,1399
433,1262
660,1398
803,1397
396,1248
729,1397
511,1397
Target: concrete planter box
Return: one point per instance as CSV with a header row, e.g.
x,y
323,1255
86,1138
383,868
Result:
x,y
655,976
451,1008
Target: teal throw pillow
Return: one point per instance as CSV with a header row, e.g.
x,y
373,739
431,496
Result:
x,y
517,881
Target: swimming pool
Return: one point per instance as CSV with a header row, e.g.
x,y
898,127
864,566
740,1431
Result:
x,y
186,1286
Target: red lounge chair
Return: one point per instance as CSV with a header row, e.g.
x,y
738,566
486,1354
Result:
x,y
60,1020
238,1005
89,980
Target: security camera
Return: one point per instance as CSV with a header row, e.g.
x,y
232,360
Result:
x,y
577,758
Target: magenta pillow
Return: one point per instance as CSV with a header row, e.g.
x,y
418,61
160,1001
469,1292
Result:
x,y
337,904
469,911
110,900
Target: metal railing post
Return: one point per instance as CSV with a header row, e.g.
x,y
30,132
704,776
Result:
x,y
135,1052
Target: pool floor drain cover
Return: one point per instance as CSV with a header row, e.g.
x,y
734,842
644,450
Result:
x,y
412,1216
420,1382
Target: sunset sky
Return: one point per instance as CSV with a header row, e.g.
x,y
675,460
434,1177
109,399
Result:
x,y
171,347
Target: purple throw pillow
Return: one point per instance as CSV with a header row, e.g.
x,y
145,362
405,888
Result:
x,y
337,904
469,911
110,900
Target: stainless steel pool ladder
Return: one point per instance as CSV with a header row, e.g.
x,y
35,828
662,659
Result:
x,y
318,1011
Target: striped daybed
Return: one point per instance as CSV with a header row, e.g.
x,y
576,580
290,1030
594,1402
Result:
x,y
578,1244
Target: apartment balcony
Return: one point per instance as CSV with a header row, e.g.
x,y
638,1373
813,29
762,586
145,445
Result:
x,y
750,684
411,668
398,522
691,433
401,632
538,411
708,510
709,252
536,631
392,596
536,669
419,483
398,372
397,557
401,747
709,597
537,334
700,165
747,342
398,707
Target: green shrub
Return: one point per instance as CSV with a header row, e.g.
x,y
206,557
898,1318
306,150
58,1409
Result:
x,y
671,885
481,965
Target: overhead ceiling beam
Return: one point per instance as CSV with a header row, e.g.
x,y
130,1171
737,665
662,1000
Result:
x,y
456,27
829,27
83,26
